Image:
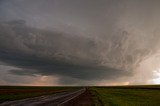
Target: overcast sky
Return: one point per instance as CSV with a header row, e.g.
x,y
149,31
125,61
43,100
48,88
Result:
x,y
79,42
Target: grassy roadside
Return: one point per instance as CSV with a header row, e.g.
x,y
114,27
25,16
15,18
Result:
x,y
126,96
96,99
8,93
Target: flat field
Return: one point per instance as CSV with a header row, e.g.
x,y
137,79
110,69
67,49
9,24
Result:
x,y
148,95
8,93
127,95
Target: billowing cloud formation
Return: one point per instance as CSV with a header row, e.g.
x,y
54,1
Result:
x,y
78,41
53,53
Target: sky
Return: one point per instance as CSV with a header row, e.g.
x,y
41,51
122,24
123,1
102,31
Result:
x,y
79,42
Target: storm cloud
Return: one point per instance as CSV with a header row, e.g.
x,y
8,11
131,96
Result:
x,y
80,42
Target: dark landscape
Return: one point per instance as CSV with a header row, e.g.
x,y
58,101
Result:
x,y
140,95
79,52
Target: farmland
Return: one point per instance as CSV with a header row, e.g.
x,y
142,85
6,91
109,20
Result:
x,y
148,95
8,93
127,95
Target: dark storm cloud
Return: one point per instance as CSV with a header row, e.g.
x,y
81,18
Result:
x,y
51,53
78,39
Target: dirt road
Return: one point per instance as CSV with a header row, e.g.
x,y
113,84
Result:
x,y
85,99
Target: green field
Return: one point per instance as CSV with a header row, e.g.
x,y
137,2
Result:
x,y
102,96
8,93
127,96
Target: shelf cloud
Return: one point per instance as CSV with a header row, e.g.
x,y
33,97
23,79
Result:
x,y
80,42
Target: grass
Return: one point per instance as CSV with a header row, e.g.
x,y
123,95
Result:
x,y
103,96
127,96
8,93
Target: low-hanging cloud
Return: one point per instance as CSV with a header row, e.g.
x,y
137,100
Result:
x,y
52,53
113,46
